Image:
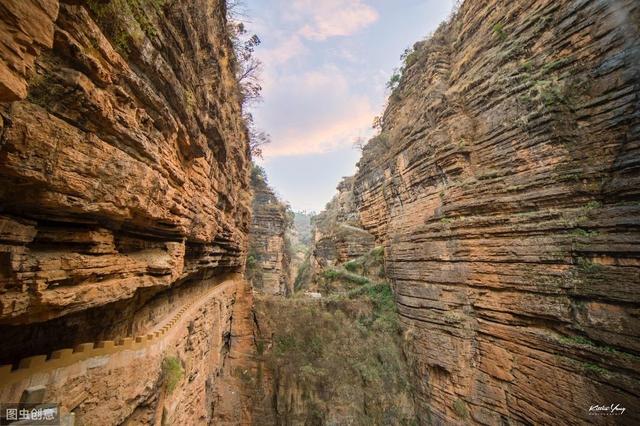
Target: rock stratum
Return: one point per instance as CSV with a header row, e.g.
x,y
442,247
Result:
x,y
124,168
504,186
338,235
269,257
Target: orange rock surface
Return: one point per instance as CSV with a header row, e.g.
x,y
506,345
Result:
x,y
123,167
269,261
124,190
505,188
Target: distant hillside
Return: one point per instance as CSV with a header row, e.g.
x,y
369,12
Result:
x,y
302,225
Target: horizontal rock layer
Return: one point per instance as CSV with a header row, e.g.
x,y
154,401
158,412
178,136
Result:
x,y
505,188
269,262
124,190
124,161
127,381
337,231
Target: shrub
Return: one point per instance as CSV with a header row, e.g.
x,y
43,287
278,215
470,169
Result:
x,y
172,372
304,273
498,30
460,408
394,80
579,232
594,368
377,252
344,276
587,266
339,347
351,266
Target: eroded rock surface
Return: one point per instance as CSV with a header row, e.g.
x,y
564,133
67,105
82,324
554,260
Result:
x,y
269,261
124,183
338,235
505,188
125,168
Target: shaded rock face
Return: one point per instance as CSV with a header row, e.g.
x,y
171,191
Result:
x,y
338,235
505,188
124,179
135,388
231,398
268,264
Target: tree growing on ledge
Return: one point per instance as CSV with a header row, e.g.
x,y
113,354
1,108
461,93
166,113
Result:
x,y
248,69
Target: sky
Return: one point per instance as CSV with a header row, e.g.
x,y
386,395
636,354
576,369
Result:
x,y
325,67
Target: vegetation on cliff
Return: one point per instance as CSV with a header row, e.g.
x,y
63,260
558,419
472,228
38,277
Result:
x,y
333,359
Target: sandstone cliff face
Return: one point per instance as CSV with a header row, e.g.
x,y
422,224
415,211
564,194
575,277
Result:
x,y
169,379
120,172
337,231
124,169
268,264
505,188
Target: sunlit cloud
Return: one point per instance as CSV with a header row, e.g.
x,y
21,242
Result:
x,y
325,65
332,18
288,48
314,112
314,109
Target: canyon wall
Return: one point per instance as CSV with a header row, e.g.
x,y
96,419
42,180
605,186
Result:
x,y
337,230
269,260
124,169
505,188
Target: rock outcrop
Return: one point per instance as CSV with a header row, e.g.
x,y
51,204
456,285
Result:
x,y
269,260
505,187
124,169
338,235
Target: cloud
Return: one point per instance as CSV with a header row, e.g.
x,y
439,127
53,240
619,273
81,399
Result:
x,y
312,20
286,49
331,18
311,106
313,112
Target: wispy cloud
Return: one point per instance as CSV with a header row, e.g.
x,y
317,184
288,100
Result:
x,y
332,18
287,48
314,112
311,105
325,67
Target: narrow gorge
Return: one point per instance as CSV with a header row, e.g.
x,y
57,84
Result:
x,y
481,267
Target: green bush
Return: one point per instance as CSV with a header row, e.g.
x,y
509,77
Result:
x,y
498,30
352,265
377,252
304,274
172,372
394,80
344,275
460,408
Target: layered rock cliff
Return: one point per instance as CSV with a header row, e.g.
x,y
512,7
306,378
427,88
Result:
x,y
337,231
269,260
124,171
504,186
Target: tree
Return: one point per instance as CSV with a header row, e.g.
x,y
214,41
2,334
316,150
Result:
x,y
248,69
359,143
257,138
